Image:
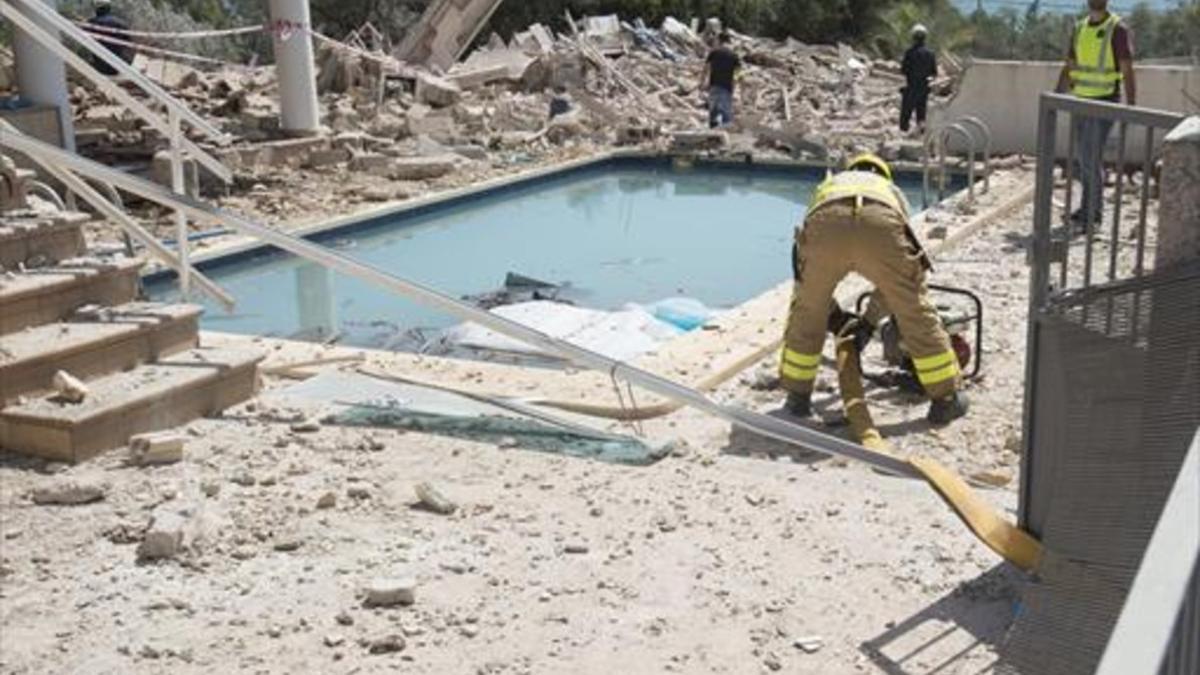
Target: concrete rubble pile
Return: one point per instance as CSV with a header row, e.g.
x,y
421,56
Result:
x,y
539,97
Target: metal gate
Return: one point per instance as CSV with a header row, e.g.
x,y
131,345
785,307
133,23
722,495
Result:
x,y
1112,398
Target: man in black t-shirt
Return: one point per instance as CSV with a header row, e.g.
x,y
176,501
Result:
x,y
919,67
720,72
109,27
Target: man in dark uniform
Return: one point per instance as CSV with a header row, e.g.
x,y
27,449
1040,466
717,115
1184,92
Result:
x,y
111,26
919,67
720,71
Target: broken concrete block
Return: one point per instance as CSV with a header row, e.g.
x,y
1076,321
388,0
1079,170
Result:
x,y
69,388
699,141
373,163
635,135
424,121
473,79
322,158
111,117
432,499
69,492
681,33
391,592
422,168
387,125
164,535
537,39
436,91
160,447
291,152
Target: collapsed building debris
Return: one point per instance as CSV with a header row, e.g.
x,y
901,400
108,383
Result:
x,y
399,129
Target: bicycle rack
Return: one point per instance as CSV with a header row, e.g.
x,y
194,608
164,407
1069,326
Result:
x,y
935,145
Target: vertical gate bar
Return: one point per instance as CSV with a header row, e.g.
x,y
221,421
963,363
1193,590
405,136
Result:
x,y
1039,279
1070,176
1114,241
1143,215
1144,212
1116,226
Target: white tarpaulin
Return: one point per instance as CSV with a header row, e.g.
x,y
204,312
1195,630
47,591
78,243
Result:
x,y
622,335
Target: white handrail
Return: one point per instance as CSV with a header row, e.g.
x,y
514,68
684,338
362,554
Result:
x,y
106,84
114,212
782,430
147,85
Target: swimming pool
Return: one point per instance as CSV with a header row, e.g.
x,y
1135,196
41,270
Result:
x,y
625,230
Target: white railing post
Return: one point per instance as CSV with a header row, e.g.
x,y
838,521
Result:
x,y
177,184
42,76
298,109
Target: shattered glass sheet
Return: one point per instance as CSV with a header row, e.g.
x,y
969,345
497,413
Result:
x,y
351,399
504,431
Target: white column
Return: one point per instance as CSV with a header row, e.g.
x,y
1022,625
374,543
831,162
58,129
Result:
x,y
42,77
294,67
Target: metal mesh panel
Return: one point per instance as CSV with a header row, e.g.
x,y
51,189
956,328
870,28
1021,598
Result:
x,y
1117,384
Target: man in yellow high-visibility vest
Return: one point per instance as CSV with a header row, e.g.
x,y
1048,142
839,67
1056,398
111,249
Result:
x,y
1099,60
857,221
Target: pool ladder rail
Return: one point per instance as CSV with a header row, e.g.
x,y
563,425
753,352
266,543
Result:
x,y
976,134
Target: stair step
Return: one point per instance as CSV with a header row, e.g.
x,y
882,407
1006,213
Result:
x,y
38,240
51,294
87,346
152,397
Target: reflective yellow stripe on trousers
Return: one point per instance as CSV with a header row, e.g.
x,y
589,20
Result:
x,y
799,366
934,369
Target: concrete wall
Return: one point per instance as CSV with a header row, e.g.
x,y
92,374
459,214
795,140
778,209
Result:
x,y
1004,94
445,31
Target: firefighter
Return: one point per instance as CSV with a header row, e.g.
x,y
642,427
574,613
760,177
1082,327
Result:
x,y
857,221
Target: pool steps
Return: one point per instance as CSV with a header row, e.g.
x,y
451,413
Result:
x,y
141,361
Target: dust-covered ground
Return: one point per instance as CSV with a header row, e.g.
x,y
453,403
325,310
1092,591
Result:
x,y
731,555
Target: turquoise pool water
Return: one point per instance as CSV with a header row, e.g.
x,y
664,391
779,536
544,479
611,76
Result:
x,y
615,234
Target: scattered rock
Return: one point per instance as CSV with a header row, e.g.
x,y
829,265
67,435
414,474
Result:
x,y
391,592
386,645
422,168
432,499
327,500
68,388
210,488
163,447
164,535
69,492
436,91
289,541
993,478
334,640
343,618
306,427
810,644
576,548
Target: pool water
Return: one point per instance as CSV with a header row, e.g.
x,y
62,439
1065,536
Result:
x,y
616,234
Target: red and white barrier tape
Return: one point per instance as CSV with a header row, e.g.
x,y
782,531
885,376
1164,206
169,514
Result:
x,y
186,35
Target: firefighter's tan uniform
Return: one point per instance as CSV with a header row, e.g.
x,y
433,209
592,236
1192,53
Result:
x,y
858,222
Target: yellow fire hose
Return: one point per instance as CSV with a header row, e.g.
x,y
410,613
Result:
x,y
1010,542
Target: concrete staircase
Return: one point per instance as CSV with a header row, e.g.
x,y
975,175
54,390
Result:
x,y
141,362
